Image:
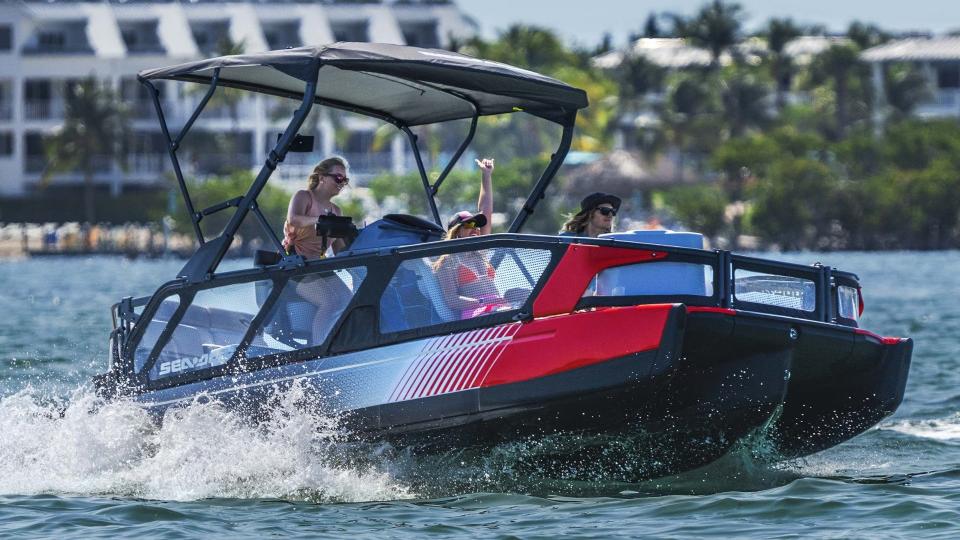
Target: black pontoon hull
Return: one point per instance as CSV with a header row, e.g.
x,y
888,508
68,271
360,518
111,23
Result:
x,y
840,381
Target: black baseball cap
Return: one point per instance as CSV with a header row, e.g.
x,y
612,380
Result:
x,y
595,199
462,217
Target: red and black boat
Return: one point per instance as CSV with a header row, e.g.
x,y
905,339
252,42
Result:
x,y
681,350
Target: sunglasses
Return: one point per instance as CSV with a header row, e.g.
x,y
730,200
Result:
x,y
607,211
339,179
468,225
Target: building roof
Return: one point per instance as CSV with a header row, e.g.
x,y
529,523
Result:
x,y
665,52
915,50
677,53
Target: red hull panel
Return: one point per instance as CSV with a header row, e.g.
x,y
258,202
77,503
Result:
x,y
556,344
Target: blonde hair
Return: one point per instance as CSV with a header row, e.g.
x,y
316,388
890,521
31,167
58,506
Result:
x,y
577,222
324,167
453,231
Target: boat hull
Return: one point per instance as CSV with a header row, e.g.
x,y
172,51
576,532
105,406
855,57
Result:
x,y
838,392
840,381
610,386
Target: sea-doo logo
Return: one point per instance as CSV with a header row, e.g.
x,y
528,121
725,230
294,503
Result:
x,y
216,357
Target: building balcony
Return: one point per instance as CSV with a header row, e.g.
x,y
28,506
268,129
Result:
x,y
43,109
36,50
945,104
38,164
146,163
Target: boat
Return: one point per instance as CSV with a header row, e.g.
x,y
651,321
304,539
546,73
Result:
x,y
639,336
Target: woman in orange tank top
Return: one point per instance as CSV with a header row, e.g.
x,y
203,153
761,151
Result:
x,y
328,292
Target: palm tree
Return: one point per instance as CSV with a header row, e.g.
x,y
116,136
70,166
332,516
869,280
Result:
x,y
744,99
779,32
838,65
651,28
94,128
716,28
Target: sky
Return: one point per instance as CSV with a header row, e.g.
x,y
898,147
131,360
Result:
x,y
584,23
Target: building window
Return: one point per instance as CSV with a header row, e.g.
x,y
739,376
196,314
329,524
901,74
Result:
x,y
52,40
6,100
211,35
141,37
282,34
350,31
948,76
6,143
422,34
58,38
6,37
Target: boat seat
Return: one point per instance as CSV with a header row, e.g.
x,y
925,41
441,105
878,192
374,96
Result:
x,y
403,305
227,327
430,287
291,318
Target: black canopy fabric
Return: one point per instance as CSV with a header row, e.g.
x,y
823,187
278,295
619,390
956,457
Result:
x,y
409,85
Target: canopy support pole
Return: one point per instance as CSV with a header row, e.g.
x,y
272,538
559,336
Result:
x,y
174,145
456,156
423,175
205,261
541,186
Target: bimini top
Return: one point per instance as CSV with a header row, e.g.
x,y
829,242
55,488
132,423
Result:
x,y
405,85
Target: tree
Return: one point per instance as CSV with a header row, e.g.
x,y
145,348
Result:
x,y
744,98
840,66
651,28
866,35
700,208
272,202
905,87
716,27
779,32
94,127
793,206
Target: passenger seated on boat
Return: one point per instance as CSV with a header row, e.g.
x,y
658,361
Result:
x,y
595,217
467,282
467,279
326,291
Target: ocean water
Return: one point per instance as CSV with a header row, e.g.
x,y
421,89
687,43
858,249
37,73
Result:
x,y
70,468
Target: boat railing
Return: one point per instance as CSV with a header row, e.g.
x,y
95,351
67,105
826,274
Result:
x,y
243,320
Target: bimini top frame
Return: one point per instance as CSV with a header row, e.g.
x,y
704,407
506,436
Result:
x,y
405,86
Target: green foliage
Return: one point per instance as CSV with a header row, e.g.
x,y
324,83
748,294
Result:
x,y
915,144
94,128
716,27
512,181
840,69
541,50
272,202
792,206
700,208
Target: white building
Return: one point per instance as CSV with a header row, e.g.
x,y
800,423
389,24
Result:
x,y
938,59
45,46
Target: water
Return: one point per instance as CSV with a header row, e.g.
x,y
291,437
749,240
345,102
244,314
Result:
x,y
66,471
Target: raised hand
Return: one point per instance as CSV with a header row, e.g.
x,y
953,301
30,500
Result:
x,y
485,164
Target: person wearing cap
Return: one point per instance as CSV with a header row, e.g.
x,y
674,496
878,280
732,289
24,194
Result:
x,y
465,223
467,279
595,217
